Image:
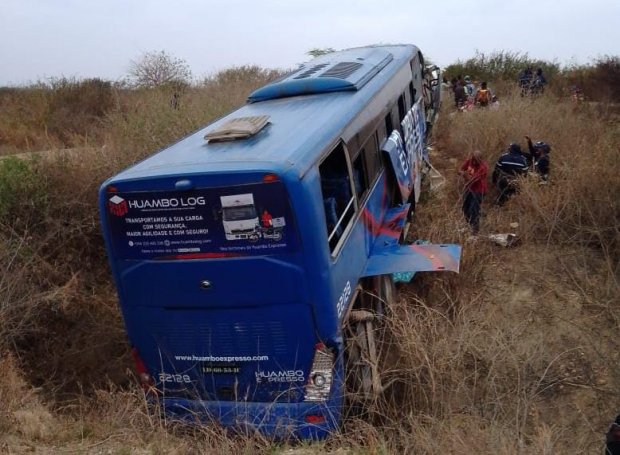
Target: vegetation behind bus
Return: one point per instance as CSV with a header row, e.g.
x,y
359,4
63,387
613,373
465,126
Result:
x,y
470,374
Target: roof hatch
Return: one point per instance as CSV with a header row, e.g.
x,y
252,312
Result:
x,y
237,128
348,70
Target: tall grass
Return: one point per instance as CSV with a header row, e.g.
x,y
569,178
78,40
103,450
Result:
x,y
599,81
60,112
514,355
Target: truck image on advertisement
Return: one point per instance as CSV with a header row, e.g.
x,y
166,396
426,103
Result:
x,y
316,179
239,217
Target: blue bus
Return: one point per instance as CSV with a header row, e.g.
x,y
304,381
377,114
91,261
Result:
x,y
255,257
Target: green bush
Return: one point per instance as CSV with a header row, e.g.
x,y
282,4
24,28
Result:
x,y
22,192
504,65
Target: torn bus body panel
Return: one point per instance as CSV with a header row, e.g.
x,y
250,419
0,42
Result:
x,y
395,258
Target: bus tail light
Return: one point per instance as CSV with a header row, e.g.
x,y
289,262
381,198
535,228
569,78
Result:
x,y
321,374
146,381
315,418
268,178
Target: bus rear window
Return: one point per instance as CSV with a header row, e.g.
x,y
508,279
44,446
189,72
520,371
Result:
x,y
243,220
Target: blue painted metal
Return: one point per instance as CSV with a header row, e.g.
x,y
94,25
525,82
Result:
x,y
318,76
394,258
312,121
239,350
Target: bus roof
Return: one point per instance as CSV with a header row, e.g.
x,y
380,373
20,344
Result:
x,y
300,126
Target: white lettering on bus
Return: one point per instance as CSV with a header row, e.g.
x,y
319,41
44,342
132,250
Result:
x,y
344,298
165,203
169,377
228,358
280,376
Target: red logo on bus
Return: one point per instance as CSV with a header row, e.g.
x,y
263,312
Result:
x,y
118,206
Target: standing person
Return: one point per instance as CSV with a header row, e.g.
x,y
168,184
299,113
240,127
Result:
x,y
470,89
483,96
474,173
509,166
538,158
525,80
459,93
446,89
538,82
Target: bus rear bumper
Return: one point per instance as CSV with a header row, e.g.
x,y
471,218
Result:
x,y
301,420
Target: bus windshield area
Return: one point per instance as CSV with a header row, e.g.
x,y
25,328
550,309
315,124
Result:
x,y
244,212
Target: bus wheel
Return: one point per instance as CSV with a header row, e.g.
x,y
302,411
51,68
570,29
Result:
x,y
364,335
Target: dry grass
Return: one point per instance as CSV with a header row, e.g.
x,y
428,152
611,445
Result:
x,y
516,354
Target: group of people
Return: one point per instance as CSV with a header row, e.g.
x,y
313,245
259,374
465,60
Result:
x,y
532,83
514,162
467,94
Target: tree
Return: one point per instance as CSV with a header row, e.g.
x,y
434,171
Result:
x,y
317,52
158,68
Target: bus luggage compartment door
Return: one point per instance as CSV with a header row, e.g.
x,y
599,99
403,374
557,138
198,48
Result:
x,y
260,354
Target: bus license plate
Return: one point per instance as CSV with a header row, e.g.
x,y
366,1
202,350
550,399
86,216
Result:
x,y
220,368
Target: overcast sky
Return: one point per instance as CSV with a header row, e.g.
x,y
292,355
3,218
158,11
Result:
x,y
98,38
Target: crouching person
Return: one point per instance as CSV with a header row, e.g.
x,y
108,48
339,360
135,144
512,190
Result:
x,y
538,158
509,166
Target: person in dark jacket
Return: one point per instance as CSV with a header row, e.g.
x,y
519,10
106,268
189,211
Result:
x,y
474,173
459,92
538,157
509,166
612,439
525,80
538,82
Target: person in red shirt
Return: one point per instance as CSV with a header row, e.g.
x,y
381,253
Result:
x,y
266,219
474,174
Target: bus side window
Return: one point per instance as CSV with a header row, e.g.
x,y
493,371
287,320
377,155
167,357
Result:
x,y
401,108
388,124
360,175
396,120
382,132
338,199
372,158
412,93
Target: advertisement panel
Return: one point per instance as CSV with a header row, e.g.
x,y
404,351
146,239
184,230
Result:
x,y
244,220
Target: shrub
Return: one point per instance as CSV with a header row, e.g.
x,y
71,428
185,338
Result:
x,y
502,65
76,108
599,81
22,189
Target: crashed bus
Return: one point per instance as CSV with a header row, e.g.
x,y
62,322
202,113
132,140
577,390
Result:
x,y
254,257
